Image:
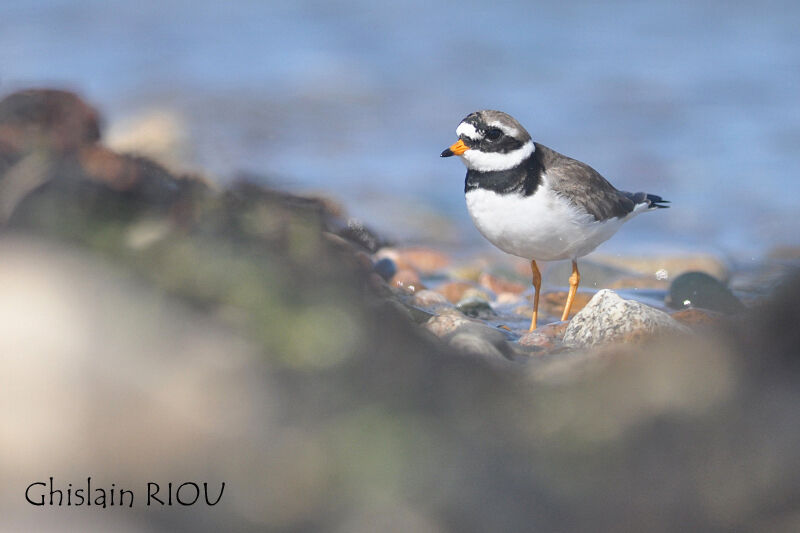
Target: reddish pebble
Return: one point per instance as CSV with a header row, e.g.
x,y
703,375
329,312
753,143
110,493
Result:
x,y
696,317
553,302
423,260
498,285
548,336
453,290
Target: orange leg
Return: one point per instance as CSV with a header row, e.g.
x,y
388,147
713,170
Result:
x,y
537,283
574,280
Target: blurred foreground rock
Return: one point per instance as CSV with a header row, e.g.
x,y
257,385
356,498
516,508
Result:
x,y
153,329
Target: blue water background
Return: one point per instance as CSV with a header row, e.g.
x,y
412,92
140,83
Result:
x,y
696,101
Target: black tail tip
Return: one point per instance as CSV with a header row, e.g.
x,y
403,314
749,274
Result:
x,y
657,202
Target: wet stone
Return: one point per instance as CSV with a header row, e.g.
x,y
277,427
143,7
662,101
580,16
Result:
x,y
698,289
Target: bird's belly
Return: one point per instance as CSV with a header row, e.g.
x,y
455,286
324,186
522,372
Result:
x,y
542,226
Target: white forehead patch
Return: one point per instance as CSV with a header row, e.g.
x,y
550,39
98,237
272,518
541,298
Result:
x,y
510,131
494,161
468,130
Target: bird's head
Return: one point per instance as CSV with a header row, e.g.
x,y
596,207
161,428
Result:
x,y
491,141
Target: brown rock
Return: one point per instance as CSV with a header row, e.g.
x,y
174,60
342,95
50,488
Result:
x,y
126,173
453,290
423,260
57,120
498,285
408,280
547,337
552,302
694,317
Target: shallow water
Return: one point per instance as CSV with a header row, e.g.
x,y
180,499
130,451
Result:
x,y
691,100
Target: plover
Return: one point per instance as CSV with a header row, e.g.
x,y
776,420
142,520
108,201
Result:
x,y
535,203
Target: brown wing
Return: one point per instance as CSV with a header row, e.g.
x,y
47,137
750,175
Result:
x,y
583,185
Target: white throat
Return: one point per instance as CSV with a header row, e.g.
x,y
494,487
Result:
x,y
495,161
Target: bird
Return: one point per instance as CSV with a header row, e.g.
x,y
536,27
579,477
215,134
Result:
x,y
533,202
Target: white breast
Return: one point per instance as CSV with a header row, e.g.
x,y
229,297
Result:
x,y
543,226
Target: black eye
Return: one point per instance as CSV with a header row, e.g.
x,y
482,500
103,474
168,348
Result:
x,y
493,134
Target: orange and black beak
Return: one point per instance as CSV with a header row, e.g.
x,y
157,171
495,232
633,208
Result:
x,y
457,148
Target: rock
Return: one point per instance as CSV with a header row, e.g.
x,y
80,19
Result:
x,y
608,318
552,302
385,268
446,322
548,337
480,340
426,261
667,267
408,280
428,298
509,298
475,293
363,261
56,120
453,290
469,272
697,317
159,134
698,289
475,307
355,231
498,285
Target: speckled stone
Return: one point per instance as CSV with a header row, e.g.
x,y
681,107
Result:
x,y
547,337
428,298
446,322
608,318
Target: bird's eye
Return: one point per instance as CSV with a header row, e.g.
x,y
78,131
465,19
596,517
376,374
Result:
x,y
493,134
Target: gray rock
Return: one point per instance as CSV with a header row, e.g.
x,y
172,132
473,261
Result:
x,y
446,323
698,289
479,340
475,303
608,318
